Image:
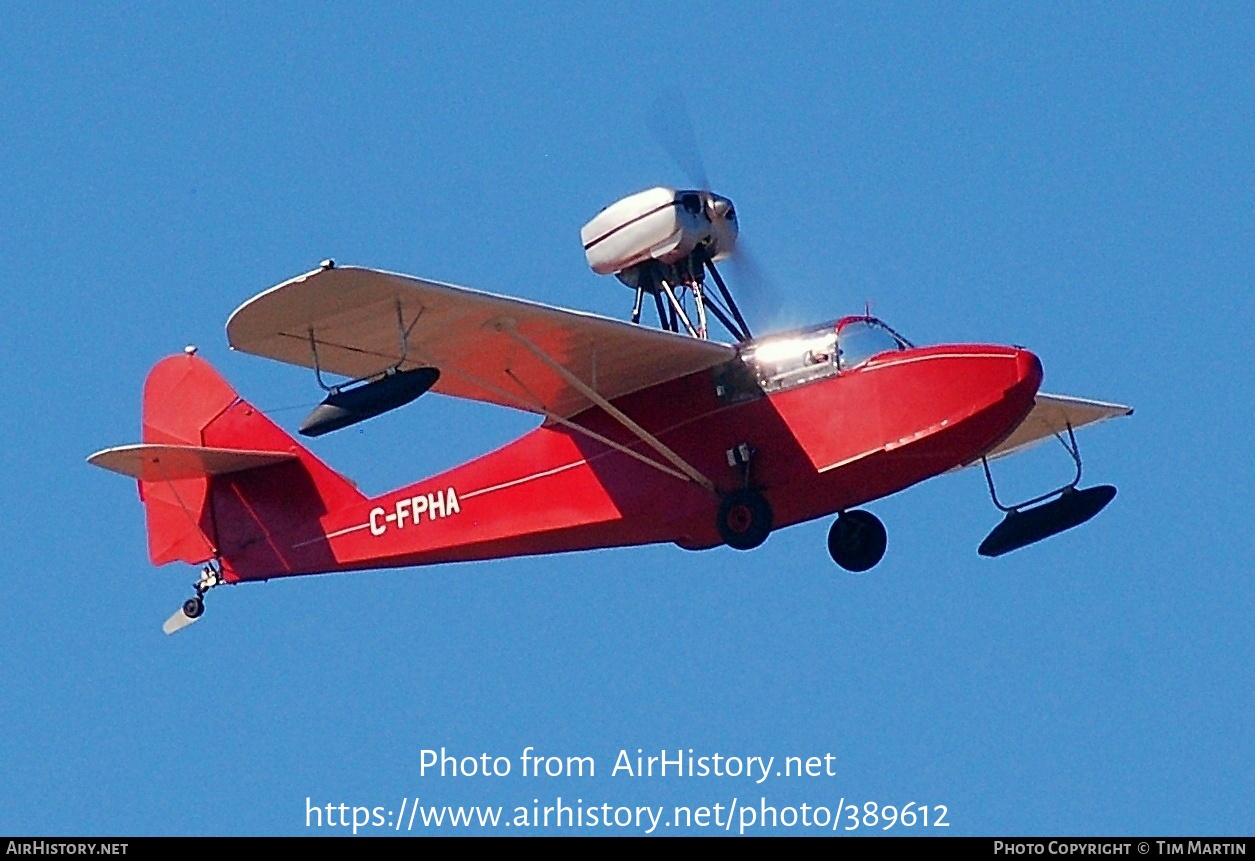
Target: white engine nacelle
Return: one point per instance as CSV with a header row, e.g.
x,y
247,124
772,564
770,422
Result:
x,y
660,224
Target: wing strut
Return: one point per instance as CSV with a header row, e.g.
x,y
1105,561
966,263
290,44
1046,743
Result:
x,y
604,440
611,410
534,404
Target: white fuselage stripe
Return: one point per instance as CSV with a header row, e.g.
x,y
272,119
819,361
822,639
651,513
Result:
x,y
470,495
524,479
849,460
330,535
892,362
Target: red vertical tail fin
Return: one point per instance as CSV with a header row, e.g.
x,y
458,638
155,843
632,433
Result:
x,y
260,522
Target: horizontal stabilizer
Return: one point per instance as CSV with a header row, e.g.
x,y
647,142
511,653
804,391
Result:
x,y
151,462
1052,414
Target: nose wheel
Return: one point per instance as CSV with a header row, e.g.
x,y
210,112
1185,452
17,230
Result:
x,y
857,540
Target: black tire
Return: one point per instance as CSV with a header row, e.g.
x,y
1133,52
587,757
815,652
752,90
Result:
x,y
744,519
193,607
857,541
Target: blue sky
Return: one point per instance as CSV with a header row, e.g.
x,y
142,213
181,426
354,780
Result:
x,y
1075,178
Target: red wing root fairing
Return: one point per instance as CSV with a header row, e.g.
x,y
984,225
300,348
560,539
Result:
x,y
648,435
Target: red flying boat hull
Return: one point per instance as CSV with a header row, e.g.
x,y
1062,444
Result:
x,y
819,448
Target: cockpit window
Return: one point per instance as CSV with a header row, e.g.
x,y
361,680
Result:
x,y
781,361
792,358
859,340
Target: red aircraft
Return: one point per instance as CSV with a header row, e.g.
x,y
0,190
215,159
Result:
x,y
649,435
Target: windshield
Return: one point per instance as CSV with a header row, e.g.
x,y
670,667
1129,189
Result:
x,y
862,338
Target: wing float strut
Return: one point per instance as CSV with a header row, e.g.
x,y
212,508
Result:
x,y
1043,516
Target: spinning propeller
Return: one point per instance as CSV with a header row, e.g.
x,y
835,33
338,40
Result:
x,y
662,242
671,124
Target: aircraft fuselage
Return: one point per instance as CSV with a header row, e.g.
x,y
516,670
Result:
x,y
818,448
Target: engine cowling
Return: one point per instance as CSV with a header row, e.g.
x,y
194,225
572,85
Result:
x,y
662,224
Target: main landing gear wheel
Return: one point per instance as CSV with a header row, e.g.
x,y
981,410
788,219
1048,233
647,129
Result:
x,y
193,607
857,540
744,519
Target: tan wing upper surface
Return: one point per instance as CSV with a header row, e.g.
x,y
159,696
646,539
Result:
x,y
358,316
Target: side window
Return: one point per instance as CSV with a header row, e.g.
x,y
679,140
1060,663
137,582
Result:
x,y
790,361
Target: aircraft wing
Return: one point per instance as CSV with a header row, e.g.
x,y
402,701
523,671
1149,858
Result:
x,y
1052,414
359,322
